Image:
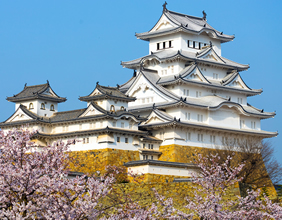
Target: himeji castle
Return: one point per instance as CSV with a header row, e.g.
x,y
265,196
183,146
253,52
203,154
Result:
x,y
182,94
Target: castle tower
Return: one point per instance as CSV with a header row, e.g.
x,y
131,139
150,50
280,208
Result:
x,y
192,95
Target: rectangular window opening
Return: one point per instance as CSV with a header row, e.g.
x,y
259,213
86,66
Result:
x,y
188,136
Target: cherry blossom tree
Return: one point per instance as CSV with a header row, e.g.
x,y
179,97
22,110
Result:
x,y
211,200
34,184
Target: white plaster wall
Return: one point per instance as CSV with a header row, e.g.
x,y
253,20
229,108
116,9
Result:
x,y
248,122
145,93
165,68
37,107
224,117
116,104
161,170
203,38
208,72
179,42
175,38
180,113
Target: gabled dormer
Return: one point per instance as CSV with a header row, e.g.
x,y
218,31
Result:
x,y
108,98
39,99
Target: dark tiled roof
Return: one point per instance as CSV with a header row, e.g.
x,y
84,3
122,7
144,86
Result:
x,y
149,151
153,77
151,138
159,163
66,115
106,93
74,115
93,131
36,92
186,23
124,87
175,122
186,55
172,79
212,102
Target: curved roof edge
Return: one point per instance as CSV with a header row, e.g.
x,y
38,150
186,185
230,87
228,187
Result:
x,y
188,56
37,92
185,23
175,122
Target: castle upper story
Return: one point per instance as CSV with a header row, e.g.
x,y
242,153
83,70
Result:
x,y
178,31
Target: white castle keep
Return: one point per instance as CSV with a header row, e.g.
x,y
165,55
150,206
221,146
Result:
x,y
182,93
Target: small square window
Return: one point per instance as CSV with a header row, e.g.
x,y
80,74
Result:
x,y
152,157
126,140
118,139
144,146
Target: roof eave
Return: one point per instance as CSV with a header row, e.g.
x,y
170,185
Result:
x,y
14,99
265,135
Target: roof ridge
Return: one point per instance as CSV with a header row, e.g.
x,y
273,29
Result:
x,y
36,85
75,110
108,87
174,12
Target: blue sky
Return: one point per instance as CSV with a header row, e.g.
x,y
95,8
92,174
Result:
x,y
74,44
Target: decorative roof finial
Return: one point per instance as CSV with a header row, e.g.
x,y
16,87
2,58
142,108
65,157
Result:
x,y
48,82
164,6
25,84
134,73
117,86
204,15
97,83
210,44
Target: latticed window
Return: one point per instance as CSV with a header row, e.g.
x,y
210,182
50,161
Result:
x,y
30,105
42,106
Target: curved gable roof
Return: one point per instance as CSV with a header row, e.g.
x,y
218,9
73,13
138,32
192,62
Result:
x,y
187,56
42,91
185,23
103,92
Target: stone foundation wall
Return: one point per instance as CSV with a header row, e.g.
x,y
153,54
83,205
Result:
x,y
91,161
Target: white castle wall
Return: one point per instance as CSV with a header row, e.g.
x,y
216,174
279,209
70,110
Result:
x,y
161,170
179,42
37,107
